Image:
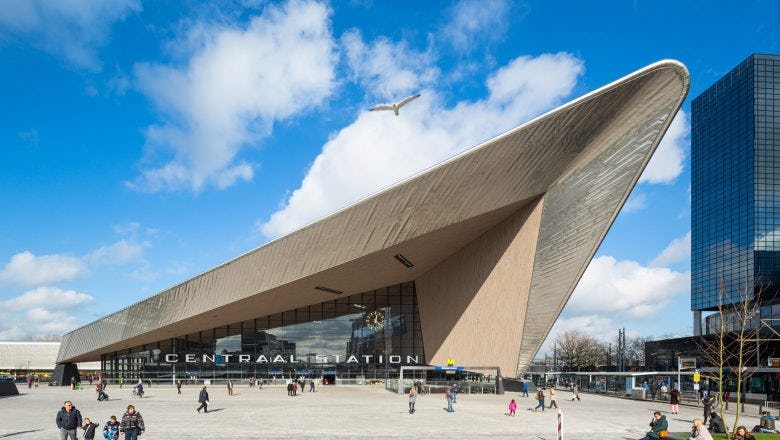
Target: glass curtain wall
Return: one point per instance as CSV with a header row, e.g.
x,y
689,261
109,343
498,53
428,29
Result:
x,y
359,337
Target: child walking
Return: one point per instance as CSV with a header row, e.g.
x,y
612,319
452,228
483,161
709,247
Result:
x,y
512,408
89,429
111,429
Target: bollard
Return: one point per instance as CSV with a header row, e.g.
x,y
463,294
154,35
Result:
x,y
560,426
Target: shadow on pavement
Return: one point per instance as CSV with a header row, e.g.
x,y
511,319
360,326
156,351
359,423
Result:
x,y
20,432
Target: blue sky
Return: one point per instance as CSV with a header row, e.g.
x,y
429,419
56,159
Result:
x,y
145,142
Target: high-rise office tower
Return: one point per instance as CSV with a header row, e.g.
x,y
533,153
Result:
x,y
735,190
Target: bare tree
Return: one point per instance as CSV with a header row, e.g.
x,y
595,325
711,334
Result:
x,y
577,350
732,347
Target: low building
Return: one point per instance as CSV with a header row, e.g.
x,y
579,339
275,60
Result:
x,y
23,359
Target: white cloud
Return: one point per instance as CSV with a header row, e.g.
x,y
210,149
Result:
x,y
388,70
236,83
73,29
117,254
40,312
678,250
609,286
668,160
379,149
25,268
46,296
635,203
473,22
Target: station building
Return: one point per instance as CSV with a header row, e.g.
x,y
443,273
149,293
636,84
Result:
x,y
470,261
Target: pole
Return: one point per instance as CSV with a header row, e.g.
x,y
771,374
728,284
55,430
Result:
x,y
679,376
560,425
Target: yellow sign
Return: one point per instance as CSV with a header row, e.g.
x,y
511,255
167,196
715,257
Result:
x,y
696,377
450,362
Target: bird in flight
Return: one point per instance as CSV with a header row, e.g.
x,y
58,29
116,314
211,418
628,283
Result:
x,y
397,106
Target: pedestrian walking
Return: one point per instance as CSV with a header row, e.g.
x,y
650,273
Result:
x,y
512,408
121,382
525,388
289,388
448,396
132,424
553,403
89,429
230,387
540,399
72,383
111,429
575,390
203,398
311,385
674,399
454,393
178,386
708,402
412,399
68,420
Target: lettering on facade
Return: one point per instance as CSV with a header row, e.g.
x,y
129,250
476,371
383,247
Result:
x,y
190,358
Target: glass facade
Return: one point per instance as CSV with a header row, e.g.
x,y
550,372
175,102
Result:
x,y
735,191
364,336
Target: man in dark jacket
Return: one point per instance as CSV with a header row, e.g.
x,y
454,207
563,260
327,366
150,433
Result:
x,y
708,402
132,424
203,398
716,424
68,420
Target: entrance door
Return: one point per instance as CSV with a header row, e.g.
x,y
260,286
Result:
x,y
329,379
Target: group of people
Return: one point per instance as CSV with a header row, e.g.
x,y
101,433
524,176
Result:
x,y
69,421
295,385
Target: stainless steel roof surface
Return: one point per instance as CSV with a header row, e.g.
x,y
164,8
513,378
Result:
x,y
583,158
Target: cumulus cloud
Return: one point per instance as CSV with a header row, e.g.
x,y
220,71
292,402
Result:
x,y
678,250
473,22
611,286
379,149
236,83
668,160
28,269
73,29
42,311
611,290
386,69
46,296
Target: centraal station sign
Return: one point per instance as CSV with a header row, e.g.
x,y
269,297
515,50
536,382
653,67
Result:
x,y
280,359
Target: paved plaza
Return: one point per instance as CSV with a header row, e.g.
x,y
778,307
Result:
x,y
365,412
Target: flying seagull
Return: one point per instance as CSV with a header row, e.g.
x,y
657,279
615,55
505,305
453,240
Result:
x,y
397,106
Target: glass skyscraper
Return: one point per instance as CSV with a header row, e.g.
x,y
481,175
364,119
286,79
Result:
x,y
735,191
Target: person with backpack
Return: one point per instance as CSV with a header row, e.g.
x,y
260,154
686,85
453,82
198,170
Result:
x,y
132,424
68,420
203,398
540,399
111,429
